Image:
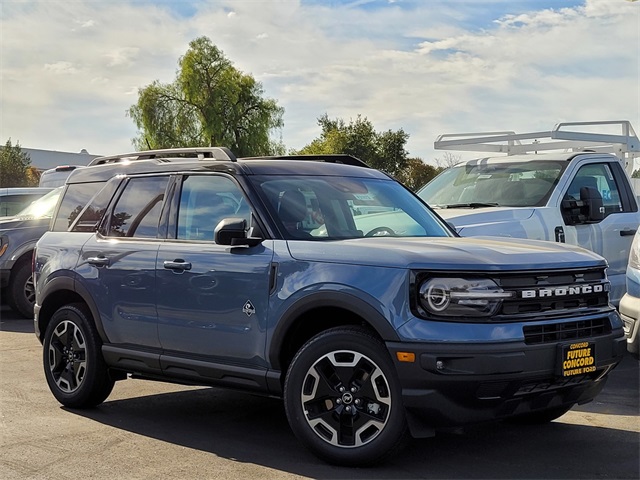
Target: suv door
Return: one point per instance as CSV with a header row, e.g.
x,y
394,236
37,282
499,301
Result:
x,y
118,262
212,299
611,236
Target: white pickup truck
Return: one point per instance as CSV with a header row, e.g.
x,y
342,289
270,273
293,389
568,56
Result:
x,y
565,185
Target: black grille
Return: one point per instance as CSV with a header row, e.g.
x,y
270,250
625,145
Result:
x,y
556,292
549,333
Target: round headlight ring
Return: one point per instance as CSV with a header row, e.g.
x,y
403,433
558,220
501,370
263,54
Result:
x,y
437,297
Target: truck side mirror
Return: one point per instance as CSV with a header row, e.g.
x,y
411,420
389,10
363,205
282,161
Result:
x,y
594,208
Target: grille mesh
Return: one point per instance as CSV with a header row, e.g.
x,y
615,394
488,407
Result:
x,y
548,333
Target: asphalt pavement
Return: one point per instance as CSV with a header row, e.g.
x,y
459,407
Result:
x,y
150,430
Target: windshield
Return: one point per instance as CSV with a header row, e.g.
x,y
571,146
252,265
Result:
x,y
480,184
43,207
329,208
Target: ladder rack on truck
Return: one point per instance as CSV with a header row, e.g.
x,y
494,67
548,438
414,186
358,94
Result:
x,y
564,136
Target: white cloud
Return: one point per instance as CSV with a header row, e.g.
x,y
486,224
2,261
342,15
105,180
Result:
x,y
61,68
424,67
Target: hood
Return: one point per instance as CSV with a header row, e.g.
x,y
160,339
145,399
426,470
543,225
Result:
x,y
463,218
13,223
447,253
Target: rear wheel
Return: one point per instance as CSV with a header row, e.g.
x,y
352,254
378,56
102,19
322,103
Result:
x,y
73,364
21,291
343,399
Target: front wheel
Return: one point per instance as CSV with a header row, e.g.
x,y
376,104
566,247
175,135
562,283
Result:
x,y
343,399
73,364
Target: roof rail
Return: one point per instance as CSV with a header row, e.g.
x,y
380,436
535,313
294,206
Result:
x,y
563,136
200,153
334,158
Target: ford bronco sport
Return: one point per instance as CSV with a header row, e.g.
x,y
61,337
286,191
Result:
x,y
279,276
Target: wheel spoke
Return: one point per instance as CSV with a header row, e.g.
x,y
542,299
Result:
x,y
67,356
346,398
29,290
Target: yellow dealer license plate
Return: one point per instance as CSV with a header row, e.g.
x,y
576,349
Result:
x,y
578,358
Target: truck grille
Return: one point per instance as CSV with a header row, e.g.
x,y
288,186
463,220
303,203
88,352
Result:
x,y
553,293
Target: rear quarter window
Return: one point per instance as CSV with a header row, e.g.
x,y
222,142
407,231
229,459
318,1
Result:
x,y
74,199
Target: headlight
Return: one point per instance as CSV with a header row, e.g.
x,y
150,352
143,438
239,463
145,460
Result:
x,y
634,254
461,297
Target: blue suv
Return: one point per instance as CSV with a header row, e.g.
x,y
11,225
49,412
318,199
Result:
x,y
282,276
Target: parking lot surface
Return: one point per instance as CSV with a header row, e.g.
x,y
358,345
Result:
x,y
149,430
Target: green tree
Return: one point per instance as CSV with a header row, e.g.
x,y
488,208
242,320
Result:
x,y
210,103
381,150
15,167
417,173
636,174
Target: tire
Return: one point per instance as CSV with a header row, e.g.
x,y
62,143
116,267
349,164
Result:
x,y
343,399
21,291
73,364
540,417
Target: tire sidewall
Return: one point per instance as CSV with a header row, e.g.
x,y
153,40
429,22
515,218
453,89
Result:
x,y
353,340
96,372
17,299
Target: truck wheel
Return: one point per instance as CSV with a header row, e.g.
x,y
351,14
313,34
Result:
x,y
343,399
73,364
540,417
21,291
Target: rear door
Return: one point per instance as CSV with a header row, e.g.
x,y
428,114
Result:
x,y
118,263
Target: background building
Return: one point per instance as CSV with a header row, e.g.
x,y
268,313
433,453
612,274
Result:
x,y
46,159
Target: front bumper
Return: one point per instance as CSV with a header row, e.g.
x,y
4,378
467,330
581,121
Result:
x,y
454,384
630,314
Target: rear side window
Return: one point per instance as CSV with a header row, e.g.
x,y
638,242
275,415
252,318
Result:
x,y
73,201
137,211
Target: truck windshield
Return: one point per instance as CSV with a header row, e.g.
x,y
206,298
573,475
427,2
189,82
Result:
x,y
478,184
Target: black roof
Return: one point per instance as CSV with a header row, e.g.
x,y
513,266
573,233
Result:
x,y
319,165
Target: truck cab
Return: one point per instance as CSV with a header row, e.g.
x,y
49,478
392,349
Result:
x,y
579,195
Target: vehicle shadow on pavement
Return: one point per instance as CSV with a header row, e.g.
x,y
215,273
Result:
x,y
23,325
254,430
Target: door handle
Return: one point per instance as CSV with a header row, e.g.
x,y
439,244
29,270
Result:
x,y
178,264
627,233
99,261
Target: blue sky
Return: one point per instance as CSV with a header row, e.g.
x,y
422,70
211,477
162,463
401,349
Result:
x,y
70,70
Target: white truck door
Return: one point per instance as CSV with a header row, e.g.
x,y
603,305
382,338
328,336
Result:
x,y
610,236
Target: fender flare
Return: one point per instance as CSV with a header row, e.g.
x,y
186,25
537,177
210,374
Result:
x,y
64,282
21,251
320,299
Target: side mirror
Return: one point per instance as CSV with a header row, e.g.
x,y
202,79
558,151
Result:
x,y
594,208
232,231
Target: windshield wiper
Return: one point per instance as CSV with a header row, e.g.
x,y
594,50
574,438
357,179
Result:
x,y
470,205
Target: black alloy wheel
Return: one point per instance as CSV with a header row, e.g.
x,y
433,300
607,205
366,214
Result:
x,y
342,398
73,364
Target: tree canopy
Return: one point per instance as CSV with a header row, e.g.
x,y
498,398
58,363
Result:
x,y
417,173
382,150
210,103
15,170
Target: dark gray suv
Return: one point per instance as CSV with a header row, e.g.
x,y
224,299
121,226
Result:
x,y
318,280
